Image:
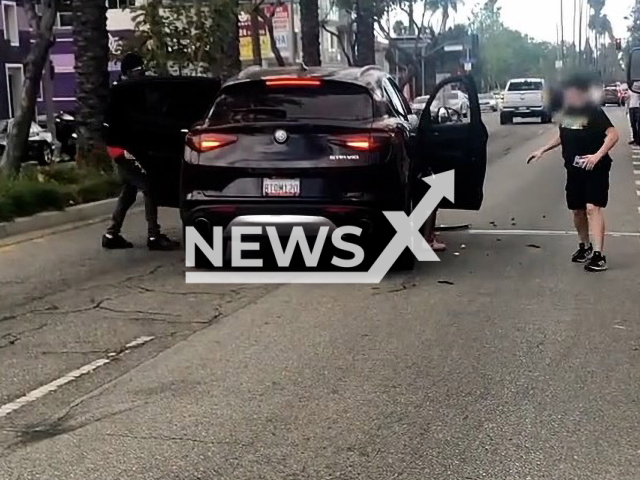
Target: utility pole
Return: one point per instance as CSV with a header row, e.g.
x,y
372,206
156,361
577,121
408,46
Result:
x,y
562,29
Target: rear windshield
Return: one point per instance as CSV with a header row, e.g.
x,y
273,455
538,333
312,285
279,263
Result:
x,y
259,103
524,86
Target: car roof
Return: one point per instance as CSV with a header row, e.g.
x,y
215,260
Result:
x,y
369,76
526,80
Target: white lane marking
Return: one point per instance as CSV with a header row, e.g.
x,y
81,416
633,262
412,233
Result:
x,y
637,182
636,172
69,377
636,164
549,233
638,193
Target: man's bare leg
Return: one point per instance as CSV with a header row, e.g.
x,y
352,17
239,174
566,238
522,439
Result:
x,y
596,226
581,221
429,233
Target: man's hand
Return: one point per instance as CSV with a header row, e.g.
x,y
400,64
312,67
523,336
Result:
x,y
535,156
589,161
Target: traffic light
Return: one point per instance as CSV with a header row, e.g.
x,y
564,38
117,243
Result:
x,y
619,44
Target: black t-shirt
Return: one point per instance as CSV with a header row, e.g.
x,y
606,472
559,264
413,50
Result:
x,y
582,132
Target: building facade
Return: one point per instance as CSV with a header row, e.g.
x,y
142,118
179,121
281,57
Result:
x,y
14,48
15,41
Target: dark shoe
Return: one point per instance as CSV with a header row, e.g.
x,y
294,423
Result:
x,y
115,242
633,142
597,263
162,242
582,254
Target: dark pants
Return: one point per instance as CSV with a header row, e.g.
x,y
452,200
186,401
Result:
x,y
634,118
133,179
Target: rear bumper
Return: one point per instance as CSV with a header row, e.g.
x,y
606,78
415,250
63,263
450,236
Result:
x,y
524,112
284,215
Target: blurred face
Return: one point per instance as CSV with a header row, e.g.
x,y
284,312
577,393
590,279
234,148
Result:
x,y
576,98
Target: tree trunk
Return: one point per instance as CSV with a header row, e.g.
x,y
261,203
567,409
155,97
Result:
x,y
268,21
91,49
310,25
231,63
256,48
365,40
34,64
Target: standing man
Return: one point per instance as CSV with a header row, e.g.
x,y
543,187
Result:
x,y
586,136
133,177
633,101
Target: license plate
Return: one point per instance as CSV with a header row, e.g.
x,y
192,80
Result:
x,y
280,187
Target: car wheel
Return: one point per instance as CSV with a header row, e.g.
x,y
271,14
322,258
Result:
x,y
505,119
46,155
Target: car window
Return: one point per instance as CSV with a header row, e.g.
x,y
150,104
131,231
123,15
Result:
x,y
395,99
331,101
524,86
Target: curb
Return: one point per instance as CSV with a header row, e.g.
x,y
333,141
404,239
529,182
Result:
x,y
48,220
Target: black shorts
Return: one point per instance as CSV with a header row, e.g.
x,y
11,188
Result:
x,y
588,187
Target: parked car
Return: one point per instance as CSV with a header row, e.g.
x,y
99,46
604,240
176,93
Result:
x,y
488,102
458,101
332,145
419,103
65,123
611,95
40,146
524,98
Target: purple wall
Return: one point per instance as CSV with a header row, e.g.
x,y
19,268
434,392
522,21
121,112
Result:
x,y
63,61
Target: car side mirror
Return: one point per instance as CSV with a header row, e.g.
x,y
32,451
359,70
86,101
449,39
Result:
x,y
633,70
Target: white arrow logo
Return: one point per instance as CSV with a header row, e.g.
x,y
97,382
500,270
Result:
x,y
407,236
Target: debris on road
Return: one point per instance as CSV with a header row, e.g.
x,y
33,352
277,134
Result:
x,y
445,282
533,245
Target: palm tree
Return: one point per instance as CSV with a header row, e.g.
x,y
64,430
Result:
x,y
365,36
446,7
91,50
310,26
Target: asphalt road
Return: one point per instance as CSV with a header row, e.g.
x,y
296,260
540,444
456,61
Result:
x,y
502,361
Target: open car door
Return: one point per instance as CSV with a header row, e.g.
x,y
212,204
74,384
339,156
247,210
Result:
x,y
452,136
150,117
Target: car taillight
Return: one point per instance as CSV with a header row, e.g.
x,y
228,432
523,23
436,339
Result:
x,y
291,82
115,152
206,142
362,143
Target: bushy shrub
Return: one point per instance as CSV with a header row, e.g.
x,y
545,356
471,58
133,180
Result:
x,y
54,188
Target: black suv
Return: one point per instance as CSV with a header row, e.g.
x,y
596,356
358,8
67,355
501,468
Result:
x,y
336,145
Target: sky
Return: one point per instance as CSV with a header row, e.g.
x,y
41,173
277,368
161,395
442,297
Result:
x,y
539,18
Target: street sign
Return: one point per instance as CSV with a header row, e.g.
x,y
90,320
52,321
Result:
x,y
559,64
468,66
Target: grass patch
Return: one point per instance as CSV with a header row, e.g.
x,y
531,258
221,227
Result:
x,y
53,188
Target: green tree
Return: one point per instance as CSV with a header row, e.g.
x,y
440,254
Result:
x,y
634,28
186,38
506,53
310,26
42,28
